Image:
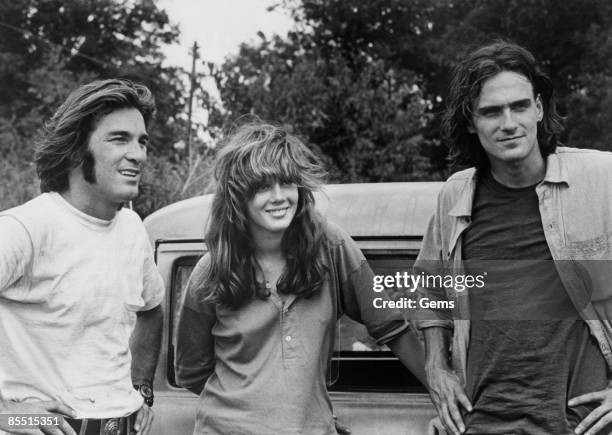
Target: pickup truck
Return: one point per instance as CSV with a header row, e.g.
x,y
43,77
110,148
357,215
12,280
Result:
x,y
372,393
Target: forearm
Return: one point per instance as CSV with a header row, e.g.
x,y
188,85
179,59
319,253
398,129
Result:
x,y
409,351
445,387
145,345
437,347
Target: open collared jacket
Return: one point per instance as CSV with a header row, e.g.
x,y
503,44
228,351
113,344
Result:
x,y
575,202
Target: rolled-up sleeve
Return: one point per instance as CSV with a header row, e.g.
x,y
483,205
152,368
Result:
x,y
430,263
355,279
195,348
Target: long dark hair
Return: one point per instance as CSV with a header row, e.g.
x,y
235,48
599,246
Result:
x,y
63,146
466,84
255,153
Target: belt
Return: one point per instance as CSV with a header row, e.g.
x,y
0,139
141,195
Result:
x,y
104,426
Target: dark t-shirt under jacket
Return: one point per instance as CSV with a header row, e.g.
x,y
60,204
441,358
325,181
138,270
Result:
x,y
529,350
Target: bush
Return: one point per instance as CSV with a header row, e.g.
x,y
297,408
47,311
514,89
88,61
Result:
x,y
165,182
18,182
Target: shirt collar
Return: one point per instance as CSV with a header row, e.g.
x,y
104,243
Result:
x,y
463,206
555,170
555,173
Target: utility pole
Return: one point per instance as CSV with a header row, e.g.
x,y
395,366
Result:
x,y
194,55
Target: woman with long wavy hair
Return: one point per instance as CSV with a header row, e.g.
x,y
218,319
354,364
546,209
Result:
x,y
256,328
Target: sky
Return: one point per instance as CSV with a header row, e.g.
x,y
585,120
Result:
x,y
219,26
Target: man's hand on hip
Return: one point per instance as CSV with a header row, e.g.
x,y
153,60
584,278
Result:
x,y
447,394
600,417
46,407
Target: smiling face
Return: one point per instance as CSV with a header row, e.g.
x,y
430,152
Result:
x,y
506,116
272,208
112,168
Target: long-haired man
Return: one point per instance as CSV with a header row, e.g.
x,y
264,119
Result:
x,y
528,212
80,314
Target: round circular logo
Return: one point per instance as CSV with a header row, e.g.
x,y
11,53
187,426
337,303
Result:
x,y
112,427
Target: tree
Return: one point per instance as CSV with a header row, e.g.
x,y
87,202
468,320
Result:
x,y
365,81
49,47
364,116
571,40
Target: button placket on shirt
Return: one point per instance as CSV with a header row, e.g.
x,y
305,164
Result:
x,y
550,222
289,342
553,233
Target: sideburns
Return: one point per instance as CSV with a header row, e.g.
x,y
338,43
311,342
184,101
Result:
x,y
88,166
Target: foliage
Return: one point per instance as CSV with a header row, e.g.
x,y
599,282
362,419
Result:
x,y
181,180
364,82
49,47
365,119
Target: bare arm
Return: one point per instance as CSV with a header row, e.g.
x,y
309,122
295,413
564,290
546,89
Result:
x,y
444,387
145,345
409,350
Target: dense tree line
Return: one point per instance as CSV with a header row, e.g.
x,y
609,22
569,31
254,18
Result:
x,y
49,47
363,82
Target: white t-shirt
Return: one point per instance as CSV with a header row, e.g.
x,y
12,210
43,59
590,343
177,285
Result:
x,y
70,287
